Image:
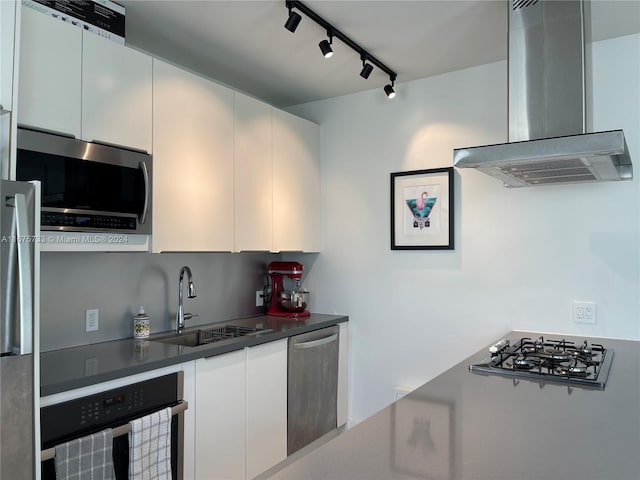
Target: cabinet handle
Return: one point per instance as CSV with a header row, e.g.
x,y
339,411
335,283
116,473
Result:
x,y
145,207
315,343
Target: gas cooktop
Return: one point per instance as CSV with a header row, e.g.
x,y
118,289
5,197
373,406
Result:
x,y
557,360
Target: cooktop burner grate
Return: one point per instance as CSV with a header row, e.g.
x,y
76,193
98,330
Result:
x,y
564,361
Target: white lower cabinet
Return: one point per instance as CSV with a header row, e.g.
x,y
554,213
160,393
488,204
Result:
x,y
220,416
266,406
241,412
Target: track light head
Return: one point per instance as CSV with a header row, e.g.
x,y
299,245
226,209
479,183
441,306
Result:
x,y
367,68
325,48
388,89
293,21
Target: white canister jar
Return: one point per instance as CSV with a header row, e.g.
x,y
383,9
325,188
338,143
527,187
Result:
x,y
141,324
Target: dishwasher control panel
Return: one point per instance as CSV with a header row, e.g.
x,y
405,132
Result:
x,y
82,416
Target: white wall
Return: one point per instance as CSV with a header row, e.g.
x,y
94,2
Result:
x,y
521,256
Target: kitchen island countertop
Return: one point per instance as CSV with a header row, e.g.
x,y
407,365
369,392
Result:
x,y
466,425
76,367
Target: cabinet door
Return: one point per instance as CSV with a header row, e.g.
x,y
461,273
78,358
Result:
x,y
50,73
7,31
343,376
253,174
266,406
296,183
220,416
116,94
192,161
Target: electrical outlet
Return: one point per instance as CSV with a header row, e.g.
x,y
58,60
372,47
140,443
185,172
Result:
x,y
91,320
584,312
259,298
90,366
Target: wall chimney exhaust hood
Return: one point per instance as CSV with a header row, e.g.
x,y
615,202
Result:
x,y
547,140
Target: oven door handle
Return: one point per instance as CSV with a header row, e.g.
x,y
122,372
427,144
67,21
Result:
x,y
50,453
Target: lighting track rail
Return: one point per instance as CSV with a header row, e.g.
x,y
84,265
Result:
x,y
333,32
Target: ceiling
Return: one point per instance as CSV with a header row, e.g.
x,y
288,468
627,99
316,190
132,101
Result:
x,y
242,43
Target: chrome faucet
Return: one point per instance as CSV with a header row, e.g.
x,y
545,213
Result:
x,y
180,315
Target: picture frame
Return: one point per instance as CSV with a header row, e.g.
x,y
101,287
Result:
x,y
422,209
422,437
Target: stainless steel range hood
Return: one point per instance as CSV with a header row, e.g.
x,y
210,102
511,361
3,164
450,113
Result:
x,y
547,139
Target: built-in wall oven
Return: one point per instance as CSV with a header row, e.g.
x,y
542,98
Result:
x,y
87,186
115,408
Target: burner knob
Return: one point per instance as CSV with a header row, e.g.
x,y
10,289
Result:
x,y
498,347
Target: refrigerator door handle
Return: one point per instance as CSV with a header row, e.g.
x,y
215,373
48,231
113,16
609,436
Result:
x,y
24,240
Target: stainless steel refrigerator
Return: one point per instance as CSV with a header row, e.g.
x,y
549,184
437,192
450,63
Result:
x,y
19,304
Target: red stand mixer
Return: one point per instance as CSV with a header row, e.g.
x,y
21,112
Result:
x,y
287,303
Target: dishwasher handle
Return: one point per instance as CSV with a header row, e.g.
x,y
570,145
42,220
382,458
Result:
x,y
315,343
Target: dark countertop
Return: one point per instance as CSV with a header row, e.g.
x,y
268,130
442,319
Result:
x,y
464,425
76,367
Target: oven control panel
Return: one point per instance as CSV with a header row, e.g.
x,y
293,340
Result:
x,y
111,408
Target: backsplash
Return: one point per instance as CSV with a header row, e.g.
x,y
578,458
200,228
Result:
x,y
116,283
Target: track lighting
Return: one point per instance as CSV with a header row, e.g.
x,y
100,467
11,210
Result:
x,y
293,21
368,60
367,68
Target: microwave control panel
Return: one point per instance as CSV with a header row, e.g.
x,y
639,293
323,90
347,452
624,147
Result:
x,y
87,222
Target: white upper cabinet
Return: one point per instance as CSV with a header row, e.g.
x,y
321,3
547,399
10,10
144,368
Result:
x,y
296,183
192,162
230,173
7,32
116,94
50,74
253,171
77,83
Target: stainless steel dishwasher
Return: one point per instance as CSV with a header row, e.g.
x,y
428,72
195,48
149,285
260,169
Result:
x,y
313,386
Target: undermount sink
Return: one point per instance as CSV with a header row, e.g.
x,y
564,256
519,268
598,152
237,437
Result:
x,y
204,336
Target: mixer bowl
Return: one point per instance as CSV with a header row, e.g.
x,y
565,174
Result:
x,y
293,300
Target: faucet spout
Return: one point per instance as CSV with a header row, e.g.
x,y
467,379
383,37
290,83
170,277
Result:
x,y
180,315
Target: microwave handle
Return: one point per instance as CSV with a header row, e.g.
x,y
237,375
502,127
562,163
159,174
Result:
x,y
117,145
145,208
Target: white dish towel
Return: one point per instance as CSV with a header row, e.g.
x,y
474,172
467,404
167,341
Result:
x,y
86,458
150,447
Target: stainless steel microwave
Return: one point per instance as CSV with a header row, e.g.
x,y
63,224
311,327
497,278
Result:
x,y
87,187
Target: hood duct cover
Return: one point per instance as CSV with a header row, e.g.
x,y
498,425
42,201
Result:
x,y
548,143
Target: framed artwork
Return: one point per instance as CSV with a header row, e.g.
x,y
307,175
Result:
x,y
422,444
422,209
